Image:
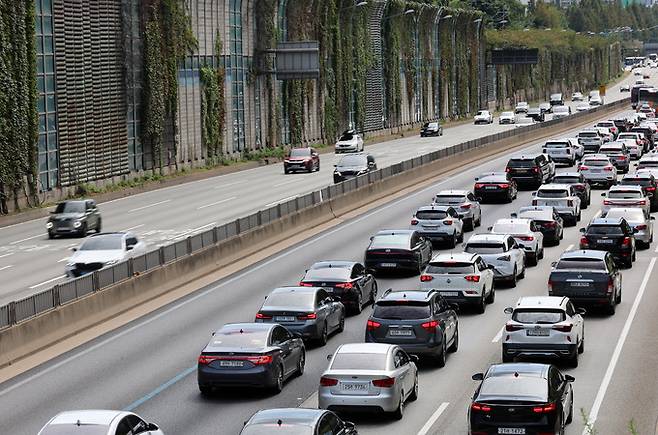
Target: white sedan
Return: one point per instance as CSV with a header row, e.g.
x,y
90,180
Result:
x,y
507,118
101,250
98,422
483,117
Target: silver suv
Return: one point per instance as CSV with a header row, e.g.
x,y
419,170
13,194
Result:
x,y
598,169
438,223
502,253
466,204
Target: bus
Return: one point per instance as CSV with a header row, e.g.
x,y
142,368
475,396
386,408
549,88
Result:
x,y
634,61
644,94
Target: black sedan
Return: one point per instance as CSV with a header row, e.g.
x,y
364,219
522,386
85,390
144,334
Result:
x,y
250,355
347,281
580,185
521,398
495,186
353,165
309,312
613,235
298,421
394,250
547,219
431,129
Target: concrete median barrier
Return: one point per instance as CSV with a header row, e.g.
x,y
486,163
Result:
x,y
43,330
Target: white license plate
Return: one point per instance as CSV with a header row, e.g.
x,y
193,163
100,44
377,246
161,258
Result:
x,y
579,284
388,264
401,332
490,187
354,387
537,333
285,318
511,430
453,294
430,226
231,363
606,241
596,171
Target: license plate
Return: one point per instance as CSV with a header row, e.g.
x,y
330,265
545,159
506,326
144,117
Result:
x,y
596,171
388,264
285,318
537,332
400,332
606,241
511,430
231,363
354,387
453,294
430,226
490,187
579,284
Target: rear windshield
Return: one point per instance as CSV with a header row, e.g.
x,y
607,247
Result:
x,y
531,387
627,136
73,429
303,300
507,114
359,361
580,263
519,163
235,337
445,199
556,145
610,150
605,230
588,134
431,215
402,310
561,109
391,241
508,228
450,268
553,193
621,194
635,182
485,248
538,316
285,428
566,180
70,207
595,162
628,214
300,152
537,215
649,164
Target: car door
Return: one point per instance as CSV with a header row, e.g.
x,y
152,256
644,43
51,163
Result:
x,y
282,339
401,361
443,313
559,389
486,273
456,221
576,318
330,424
475,204
360,280
327,308
537,234
614,272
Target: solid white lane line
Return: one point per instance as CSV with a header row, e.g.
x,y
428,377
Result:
x,y
656,249
26,239
149,206
598,213
63,259
6,267
47,282
132,228
596,407
193,230
281,200
217,203
286,182
428,426
310,402
498,336
570,247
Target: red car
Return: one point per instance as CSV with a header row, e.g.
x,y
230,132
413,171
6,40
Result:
x,y
301,159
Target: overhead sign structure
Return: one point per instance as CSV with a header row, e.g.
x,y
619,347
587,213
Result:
x,y
514,56
298,60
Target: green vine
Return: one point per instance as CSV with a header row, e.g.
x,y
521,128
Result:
x,y
213,106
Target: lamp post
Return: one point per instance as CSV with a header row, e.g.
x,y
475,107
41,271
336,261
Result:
x,y
481,83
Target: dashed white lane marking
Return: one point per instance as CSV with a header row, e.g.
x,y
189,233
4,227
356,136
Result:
x,y
221,201
286,182
498,336
310,402
6,255
149,206
26,239
221,186
47,282
596,407
425,429
63,260
6,267
132,228
570,247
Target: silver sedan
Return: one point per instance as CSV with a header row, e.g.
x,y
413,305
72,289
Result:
x,y
641,224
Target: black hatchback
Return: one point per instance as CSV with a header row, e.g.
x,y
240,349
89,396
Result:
x,y
613,235
521,398
420,322
395,250
495,186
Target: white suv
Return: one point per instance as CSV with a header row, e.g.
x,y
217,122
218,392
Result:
x,y
502,253
562,197
544,326
466,204
566,150
462,278
527,236
597,169
484,117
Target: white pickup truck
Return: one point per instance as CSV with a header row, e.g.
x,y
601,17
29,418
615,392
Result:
x,y
562,197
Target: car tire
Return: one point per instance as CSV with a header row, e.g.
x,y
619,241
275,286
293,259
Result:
x,y
441,357
573,361
414,393
507,358
286,172
455,341
51,235
570,416
358,306
277,387
533,259
301,364
99,226
522,274
460,239
612,309
581,346
205,390
514,278
324,335
399,411
509,198
373,293
83,230
341,323
452,242
469,224
481,307
541,254
492,296
478,222
618,298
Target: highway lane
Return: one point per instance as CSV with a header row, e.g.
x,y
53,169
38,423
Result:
x,y
30,263
148,365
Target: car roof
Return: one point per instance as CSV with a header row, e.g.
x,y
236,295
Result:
x,y
568,174
554,186
435,207
87,416
489,237
407,295
333,264
456,257
626,188
513,221
525,369
541,302
295,290
453,192
374,348
606,221
287,416
579,253
647,175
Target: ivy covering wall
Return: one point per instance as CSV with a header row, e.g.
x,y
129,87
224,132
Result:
x,y
18,96
213,106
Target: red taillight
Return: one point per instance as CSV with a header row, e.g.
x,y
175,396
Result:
x,y
508,169
503,186
606,202
563,328
527,238
641,227
510,327
544,408
371,325
579,187
583,168
650,189
414,221
480,407
550,225
466,206
611,286
472,278
447,222
608,168
430,326
207,359
426,278
641,202
479,186
550,287
584,242
535,169
255,360
305,284
309,316
383,383
621,158
328,382
260,360
263,316
345,285
626,242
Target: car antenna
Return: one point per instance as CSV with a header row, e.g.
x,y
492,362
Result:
x,y
77,423
279,422
241,331
516,374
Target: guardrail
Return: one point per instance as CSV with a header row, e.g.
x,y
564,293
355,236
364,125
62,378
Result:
x,y
62,294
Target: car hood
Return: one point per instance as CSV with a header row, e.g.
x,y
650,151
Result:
x,y
67,216
298,159
101,256
350,168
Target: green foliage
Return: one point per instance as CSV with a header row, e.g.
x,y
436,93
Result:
x,y
213,105
266,36
547,16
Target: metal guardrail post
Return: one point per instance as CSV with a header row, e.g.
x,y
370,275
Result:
x,y
215,239
95,282
131,268
188,245
161,255
12,313
56,299
237,226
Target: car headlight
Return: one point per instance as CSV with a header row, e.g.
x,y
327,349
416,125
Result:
x,y
338,173
77,224
69,264
49,225
111,262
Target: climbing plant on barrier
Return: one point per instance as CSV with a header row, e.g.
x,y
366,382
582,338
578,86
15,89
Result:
x,y
213,105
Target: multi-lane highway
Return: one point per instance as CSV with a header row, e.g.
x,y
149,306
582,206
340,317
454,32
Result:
x,y
149,365
30,262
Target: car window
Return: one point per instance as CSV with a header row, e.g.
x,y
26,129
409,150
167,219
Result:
x,y
353,161
538,316
279,335
555,379
290,299
330,425
449,199
391,241
571,311
123,428
485,248
400,359
553,193
612,267
131,241
431,214
320,296
359,361
300,152
605,230
622,194
521,163
70,207
566,179
450,267
582,263
510,227
137,424
358,271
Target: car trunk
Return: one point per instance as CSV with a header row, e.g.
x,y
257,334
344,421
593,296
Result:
x,y
355,383
513,412
579,283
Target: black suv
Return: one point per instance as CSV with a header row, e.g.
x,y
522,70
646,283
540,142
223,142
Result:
x,y
421,323
537,114
74,218
392,250
352,166
648,184
613,235
533,169
587,278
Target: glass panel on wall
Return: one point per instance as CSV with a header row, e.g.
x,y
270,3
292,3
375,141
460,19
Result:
x,y
237,75
133,88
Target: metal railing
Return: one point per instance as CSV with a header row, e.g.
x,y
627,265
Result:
x,y
64,293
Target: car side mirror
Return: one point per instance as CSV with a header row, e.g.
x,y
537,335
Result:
x,y
534,193
349,427
129,247
489,228
652,218
581,311
554,263
514,215
478,377
603,194
370,271
478,199
569,378
635,230
371,238
454,307
335,166
152,427
476,178
582,230
508,310
329,357
414,358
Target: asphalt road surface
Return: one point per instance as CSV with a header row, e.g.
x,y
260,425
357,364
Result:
x,y
30,262
149,365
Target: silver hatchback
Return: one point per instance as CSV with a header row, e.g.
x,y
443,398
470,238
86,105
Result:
x,y
466,204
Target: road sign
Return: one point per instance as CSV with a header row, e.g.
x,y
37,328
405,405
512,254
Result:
x,y
298,60
602,90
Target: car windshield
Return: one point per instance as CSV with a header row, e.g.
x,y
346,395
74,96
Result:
x,y
240,337
450,267
509,228
433,125
604,230
402,310
538,316
580,263
482,113
521,163
305,300
353,161
70,207
536,214
447,199
74,429
108,242
359,361
391,241
300,152
566,179
431,215
484,248
624,194
596,162
553,193
348,135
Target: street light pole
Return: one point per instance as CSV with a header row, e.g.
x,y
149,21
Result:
x,y
481,83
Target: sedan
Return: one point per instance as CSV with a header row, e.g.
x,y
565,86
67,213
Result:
x,y
102,250
431,129
626,196
346,280
74,218
393,250
495,186
527,236
583,107
297,421
642,224
521,398
308,312
250,355
548,221
98,422
349,142
507,118
483,117
648,183
354,165
577,96
521,107
301,159
369,377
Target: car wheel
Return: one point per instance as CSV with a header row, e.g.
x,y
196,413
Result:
x,y
522,274
99,226
318,168
612,309
573,361
633,256
341,323
479,221
618,297
399,411
541,254
373,293
205,390
441,357
468,224
513,279
51,235
533,259
324,335
509,198
460,239
492,296
286,172
301,364
453,241
455,342
83,230
414,393
278,381
481,307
